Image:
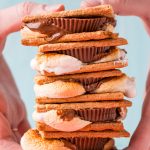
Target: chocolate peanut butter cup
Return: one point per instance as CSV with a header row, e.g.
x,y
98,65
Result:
x,y
86,143
87,54
57,27
98,115
90,84
77,25
90,114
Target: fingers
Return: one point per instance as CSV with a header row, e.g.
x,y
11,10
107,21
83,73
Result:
x,y
7,144
148,80
24,127
5,130
90,3
140,139
147,26
2,43
11,17
122,7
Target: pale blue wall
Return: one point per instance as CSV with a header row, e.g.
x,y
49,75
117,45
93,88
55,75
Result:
x,y
18,58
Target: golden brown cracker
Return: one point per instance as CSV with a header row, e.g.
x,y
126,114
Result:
x,y
76,106
67,46
99,126
82,98
75,37
102,134
101,10
96,67
102,74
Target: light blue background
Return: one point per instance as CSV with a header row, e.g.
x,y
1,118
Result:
x,y
18,58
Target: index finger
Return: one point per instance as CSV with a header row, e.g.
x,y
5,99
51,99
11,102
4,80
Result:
x,y
11,17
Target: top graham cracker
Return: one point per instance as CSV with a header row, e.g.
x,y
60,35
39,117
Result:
x,y
98,11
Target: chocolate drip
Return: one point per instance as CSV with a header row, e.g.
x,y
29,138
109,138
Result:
x,y
85,143
66,115
90,84
57,27
47,27
87,54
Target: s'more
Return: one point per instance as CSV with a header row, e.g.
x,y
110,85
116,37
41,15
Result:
x,y
81,94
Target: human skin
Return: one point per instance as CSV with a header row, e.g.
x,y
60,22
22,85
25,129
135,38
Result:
x,y
13,119
141,138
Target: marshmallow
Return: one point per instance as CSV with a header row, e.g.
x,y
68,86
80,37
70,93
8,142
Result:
x,y
52,119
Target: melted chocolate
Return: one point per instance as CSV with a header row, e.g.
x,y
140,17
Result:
x,y
57,27
47,27
66,115
92,115
89,84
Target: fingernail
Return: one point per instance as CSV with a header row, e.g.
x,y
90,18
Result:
x,y
58,7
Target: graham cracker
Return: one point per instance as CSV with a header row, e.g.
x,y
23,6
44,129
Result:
x,y
99,126
96,67
67,46
77,106
102,134
39,79
75,37
82,98
101,10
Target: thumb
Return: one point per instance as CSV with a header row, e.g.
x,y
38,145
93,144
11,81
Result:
x,y
122,7
11,17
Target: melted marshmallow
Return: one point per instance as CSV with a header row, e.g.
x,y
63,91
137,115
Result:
x,y
123,84
52,119
60,65
58,89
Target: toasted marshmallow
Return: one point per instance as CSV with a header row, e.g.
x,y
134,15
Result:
x,y
52,119
116,55
60,63
109,28
56,63
59,89
123,113
123,84
31,140
65,89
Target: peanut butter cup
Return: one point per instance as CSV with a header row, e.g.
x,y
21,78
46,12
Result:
x,y
85,143
57,27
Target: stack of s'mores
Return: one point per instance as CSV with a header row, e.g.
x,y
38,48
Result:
x,y
80,94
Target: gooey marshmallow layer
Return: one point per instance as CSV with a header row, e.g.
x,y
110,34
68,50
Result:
x,y
60,63
122,84
52,119
56,63
61,89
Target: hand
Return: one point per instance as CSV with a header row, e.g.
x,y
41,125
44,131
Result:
x,y
13,119
138,8
140,139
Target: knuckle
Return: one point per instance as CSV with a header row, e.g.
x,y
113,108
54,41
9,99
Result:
x,y
25,8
